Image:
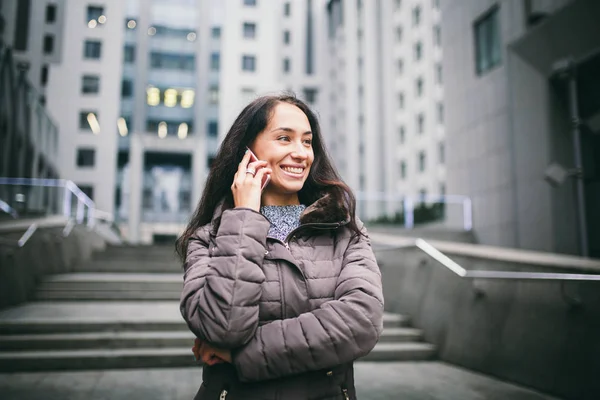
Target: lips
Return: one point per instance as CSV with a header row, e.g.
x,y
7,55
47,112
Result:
x,y
293,170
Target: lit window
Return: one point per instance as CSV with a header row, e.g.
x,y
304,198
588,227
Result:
x,y
187,98
152,96
170,98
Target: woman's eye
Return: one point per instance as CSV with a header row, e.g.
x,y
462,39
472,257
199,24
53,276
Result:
x,y
283,138
308,142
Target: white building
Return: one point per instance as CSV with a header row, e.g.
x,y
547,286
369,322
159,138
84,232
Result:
x,y
385,94
510,117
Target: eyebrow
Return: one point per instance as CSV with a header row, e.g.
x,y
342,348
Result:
x,y
285,129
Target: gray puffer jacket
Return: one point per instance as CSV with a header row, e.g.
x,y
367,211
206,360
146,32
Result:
x,y
295,314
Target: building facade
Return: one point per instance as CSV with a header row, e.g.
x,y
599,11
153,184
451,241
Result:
x,y
510,119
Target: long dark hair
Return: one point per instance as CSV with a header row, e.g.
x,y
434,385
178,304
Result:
x,y
254,118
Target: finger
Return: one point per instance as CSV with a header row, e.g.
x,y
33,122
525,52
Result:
x,y
261,173
244,164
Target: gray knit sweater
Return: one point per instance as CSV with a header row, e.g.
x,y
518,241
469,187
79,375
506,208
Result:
x,y
283,219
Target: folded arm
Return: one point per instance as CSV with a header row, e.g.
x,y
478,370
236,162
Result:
x,y
222,284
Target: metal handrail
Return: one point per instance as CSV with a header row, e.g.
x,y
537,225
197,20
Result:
x,y
8,209
462,272
23,239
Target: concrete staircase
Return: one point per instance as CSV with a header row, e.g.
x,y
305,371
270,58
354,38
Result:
x,y
122,311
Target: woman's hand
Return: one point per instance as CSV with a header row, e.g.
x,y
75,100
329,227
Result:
x,y
246,186
210,355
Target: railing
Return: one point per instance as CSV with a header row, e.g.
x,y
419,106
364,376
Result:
x,y
36,195
406,206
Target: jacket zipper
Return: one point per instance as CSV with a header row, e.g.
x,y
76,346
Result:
x,y
223,395
345,392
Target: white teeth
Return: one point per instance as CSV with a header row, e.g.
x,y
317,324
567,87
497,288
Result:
x,y
293,170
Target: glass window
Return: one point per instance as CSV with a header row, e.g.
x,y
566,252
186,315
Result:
x,y
90,84
286,37
94,13
21,24
438,74
418,51
213,95
398,34
249,30
286,65
86,157
44,75
423,195
440,113
287,9
310,95
400,66
48,44
437,35
213,128
416,16
401,101
215,32
248,63
442,153
215,61
402,134
50,13
398,4
422,161
251,3
87,189
129,54
487,42
420,123
126,88
436,4
186,62
419,87
403,169
92,49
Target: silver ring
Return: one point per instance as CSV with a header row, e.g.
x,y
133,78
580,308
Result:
x,y
251,171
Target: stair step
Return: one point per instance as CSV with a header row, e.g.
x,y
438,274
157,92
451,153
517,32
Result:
x,y
107,295
133,265
164,357
136,339
401,352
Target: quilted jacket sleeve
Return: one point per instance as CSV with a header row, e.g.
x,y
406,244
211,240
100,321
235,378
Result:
x,y
338,332
222,284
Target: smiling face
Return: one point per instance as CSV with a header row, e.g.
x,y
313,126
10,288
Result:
x,y
286,144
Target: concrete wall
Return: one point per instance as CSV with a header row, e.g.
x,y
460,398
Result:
x,y
22,268
522,332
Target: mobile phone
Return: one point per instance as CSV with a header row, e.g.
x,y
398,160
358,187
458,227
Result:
x,y
267,177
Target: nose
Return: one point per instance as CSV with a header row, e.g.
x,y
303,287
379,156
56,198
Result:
x,y
300,152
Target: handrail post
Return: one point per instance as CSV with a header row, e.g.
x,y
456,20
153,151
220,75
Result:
x,y
80,210
467,214
409,218
67,202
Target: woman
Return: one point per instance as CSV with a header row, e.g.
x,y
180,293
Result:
x,y
281,287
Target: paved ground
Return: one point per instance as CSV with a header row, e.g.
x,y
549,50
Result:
x,y
375,381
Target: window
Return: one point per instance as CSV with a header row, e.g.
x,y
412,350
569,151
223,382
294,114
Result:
x,y
418,51
88,190
215,61
398,4
50,13
487,42
176,61
442,153
286,37
213,95
215,32
48,44
92,49
398,34
94,13
286,65
403,169
436,4
438,74
90,84
422,161
44,75
400,66
440,113
402,134
86,157
442,189
85,117
129,54
437,36
126,88
420,123
310,95
251,3
21,24
213,128
287,9
422,195
249,30
248,63
419,87
401,101
416,16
